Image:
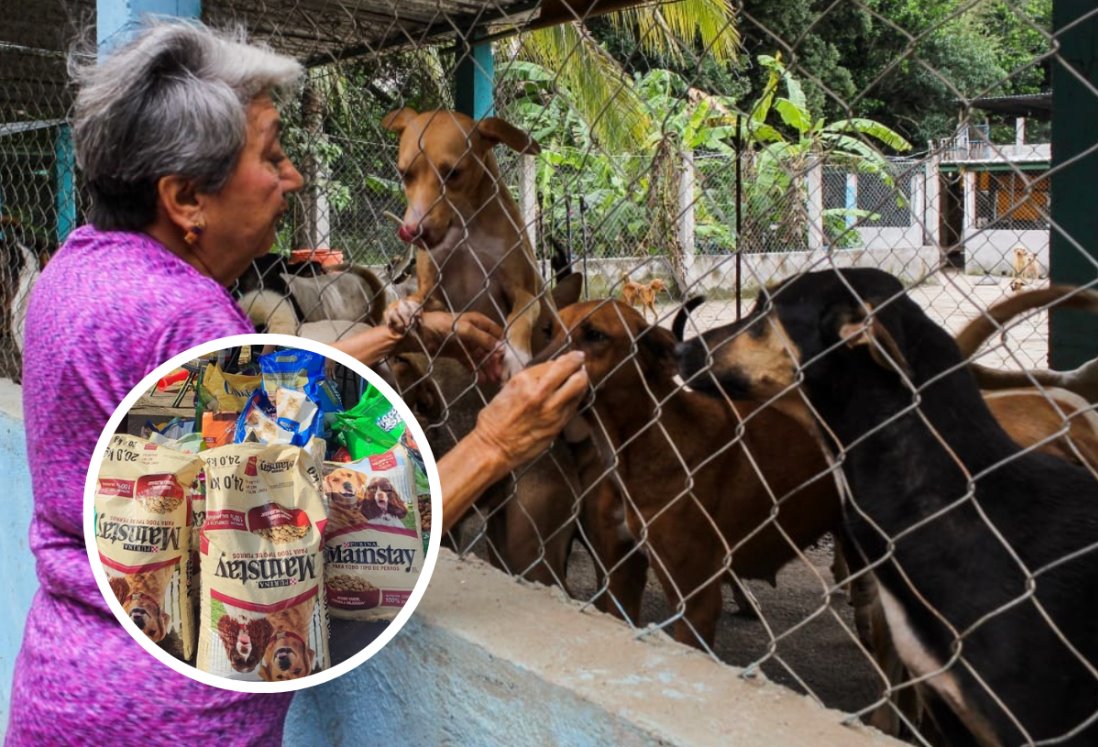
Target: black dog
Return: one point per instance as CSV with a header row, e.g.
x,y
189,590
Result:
x,y
987,557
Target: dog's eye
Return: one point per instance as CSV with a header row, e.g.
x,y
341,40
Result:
x,y
595,335
454,175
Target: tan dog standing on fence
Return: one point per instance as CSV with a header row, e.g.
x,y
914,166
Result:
x,y
473,254
472,249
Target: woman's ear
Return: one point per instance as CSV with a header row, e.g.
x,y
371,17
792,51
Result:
x,y
181,202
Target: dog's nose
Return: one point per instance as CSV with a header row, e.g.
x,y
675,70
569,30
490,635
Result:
x,y
407,233
283,662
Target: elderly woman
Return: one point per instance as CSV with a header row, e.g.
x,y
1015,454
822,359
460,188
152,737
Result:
x,y
178,138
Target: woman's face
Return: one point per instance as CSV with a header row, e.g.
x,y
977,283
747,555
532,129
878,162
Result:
x,y
242,218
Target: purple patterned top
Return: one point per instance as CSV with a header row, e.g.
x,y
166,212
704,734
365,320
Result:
x,y
108,308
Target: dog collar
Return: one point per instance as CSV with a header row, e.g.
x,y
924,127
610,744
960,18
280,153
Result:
x,y
289,634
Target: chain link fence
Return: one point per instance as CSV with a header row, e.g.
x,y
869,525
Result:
x,y
717,148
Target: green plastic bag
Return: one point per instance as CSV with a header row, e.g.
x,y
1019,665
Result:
x,y
373,426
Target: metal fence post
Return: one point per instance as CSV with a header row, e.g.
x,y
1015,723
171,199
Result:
x,y
686,218
1074,224
813,187
850,201
528,197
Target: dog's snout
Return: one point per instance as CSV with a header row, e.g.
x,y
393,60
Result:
x,y
407,232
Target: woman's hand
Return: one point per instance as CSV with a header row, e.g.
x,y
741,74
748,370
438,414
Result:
x,y
528,413
471,338
517,425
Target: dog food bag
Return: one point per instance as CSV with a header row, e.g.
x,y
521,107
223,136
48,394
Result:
x,y
302,371
143,533
263,615
218,391
373,426
373,549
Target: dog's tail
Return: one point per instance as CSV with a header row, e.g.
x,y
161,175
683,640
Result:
x,y
375,286
678,327
980,329
270,311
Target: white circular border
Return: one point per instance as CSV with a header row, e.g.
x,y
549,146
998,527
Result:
x,y
182,667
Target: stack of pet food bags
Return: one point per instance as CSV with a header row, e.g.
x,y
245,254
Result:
x,y
379,513
263,614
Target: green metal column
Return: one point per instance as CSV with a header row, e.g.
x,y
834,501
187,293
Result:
x,y
64,182
473,79
1073,335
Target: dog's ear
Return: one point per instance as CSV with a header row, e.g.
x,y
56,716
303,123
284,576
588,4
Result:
x,y
120,588
310,657
567,290
265,672
396,121
497,131
657,349
862,329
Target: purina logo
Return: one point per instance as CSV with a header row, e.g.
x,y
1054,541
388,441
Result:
x,y
249,468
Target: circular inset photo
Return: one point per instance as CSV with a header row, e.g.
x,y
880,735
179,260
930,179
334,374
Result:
x,y
258,513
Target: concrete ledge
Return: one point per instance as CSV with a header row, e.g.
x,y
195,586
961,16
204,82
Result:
x,y
487,660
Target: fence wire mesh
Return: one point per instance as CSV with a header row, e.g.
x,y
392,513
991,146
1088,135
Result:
x,y
717,148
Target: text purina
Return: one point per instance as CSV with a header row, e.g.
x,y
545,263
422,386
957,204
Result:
x,y
136,534
370,555
276,570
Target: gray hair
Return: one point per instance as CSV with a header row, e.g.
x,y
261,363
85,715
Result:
x,y
170,102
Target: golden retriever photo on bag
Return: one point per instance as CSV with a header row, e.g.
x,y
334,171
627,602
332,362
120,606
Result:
x,y
287,656
142,597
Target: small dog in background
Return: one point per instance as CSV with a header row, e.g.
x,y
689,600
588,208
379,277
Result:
x,y
641,295
1025,270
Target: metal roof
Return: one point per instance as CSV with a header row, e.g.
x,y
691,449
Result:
x,y
1034,105
36,38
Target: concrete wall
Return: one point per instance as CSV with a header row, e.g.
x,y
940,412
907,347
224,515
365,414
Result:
x,y
489,661
20,581
717,274
992,252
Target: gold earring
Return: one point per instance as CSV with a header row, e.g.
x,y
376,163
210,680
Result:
x,y
192,234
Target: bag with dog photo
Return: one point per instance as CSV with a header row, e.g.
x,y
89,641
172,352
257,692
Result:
x,y
143,521
373,547
263,614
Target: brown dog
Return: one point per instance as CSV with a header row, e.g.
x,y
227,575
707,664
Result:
x,y
382,500
244,640
287,655
642,295
142,597
473,252
700,496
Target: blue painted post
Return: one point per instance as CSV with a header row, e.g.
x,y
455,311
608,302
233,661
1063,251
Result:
x,y
473,81
115,19
64,178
